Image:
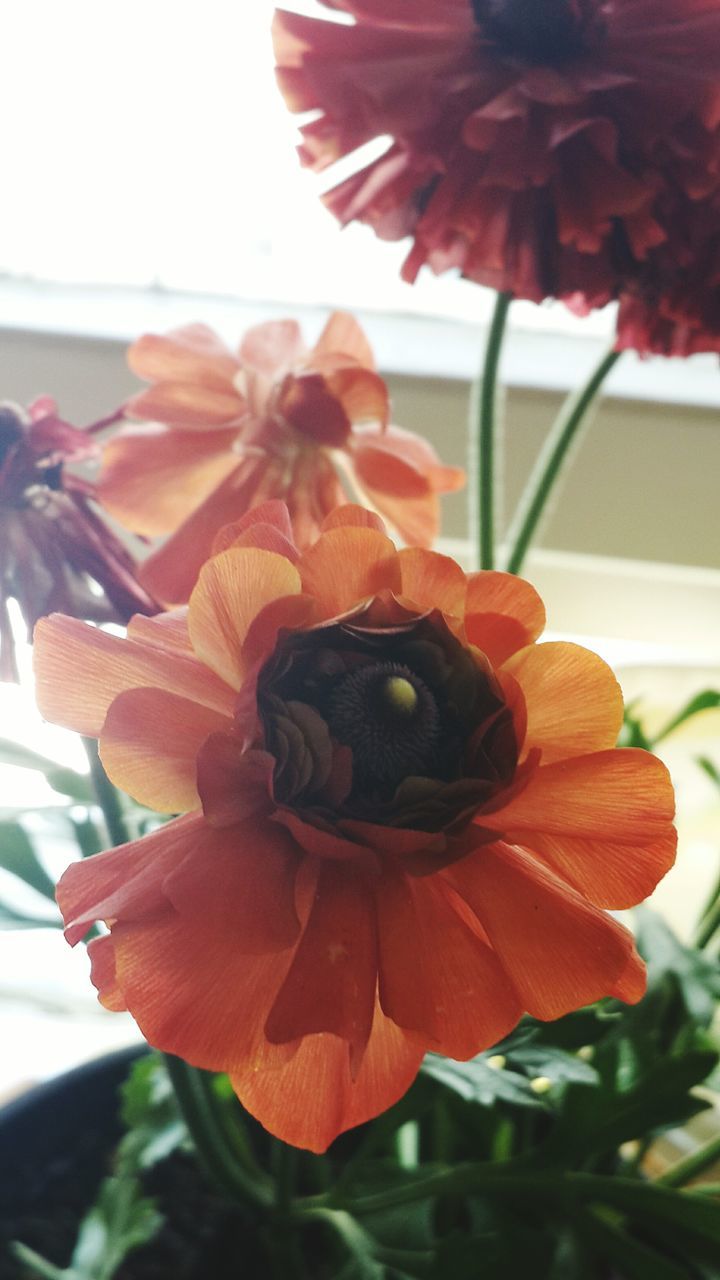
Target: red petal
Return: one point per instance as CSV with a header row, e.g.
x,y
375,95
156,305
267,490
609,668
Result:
x,y
102,974
314,1097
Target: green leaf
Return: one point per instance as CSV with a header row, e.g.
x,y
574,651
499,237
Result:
x,y
11,918
697,976
688,1223
67,781
150,1111
18,856
634,1261
708,700
476,1081
710,768
632,733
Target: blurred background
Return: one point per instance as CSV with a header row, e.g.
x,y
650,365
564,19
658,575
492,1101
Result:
x,y
150,180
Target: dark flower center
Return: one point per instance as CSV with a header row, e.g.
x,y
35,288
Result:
x,y
389,718
397,724
548,31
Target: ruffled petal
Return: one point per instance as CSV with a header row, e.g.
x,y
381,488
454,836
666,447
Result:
x,y
102,974
192,352
150,743
502,614
574,703
347,565
614,795
188,406
272,347
243,878
432,581
80,670
402,475
343,334
610,874
126,881
437,976
152,478
312,1098
231,590
351,514
559,952
333,979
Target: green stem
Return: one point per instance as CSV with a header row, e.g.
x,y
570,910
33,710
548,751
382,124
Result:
x,y
689,1167
710,922
550,463
214,1152
482,433
106,795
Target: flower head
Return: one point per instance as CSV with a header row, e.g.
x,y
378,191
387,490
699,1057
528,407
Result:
x,y
528,140
272,421
402,818
55,551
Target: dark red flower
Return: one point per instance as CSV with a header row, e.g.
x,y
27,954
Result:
x,y
670,305
55,551
528,141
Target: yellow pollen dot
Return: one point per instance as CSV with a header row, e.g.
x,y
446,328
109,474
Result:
x,y
541,1084
497,1061
400,694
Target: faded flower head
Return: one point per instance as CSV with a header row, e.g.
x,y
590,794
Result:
x,y
402,818
55,551
528,141
272,420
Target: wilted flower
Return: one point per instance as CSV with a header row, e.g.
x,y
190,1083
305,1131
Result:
x,y
402,818
527,139
55,551
273,421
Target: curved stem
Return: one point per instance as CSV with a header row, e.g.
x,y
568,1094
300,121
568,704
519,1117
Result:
x,y
209,1137
550,464
106,795
709,920
482,434
690,1166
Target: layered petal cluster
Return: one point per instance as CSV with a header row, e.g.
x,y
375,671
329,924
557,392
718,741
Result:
x,y
402,819
527,141
55,549
229,431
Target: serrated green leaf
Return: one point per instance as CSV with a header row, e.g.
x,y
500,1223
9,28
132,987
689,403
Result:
x,y
475,1081
150,1112
121,1220
18,856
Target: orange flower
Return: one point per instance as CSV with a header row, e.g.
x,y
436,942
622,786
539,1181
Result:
x,y
402,818
273,421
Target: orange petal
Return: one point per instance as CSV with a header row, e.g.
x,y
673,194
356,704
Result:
x,y
363,394
231,590
313,1097
188,406
102,974
347,565
126,881
272,347
574,703
193,353
171,573
342,334
436,976
153,477
559,951
149,746
333,979
432,581
271,514
502,613
80,670
287,612
621,795
351,514
164,631
244,880
234,784
611,874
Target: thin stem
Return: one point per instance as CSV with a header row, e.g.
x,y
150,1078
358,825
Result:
x,y
690,1166
709,923
482,435
210,1139
550,464
106,795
